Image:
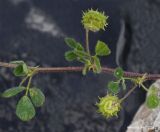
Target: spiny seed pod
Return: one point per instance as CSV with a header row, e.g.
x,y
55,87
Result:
x,y
94,20
109,106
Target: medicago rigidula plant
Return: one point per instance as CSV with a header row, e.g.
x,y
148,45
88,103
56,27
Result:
x,y
109,105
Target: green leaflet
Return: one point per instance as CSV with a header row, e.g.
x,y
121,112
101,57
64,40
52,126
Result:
x,y
102,49
153,90
70,56
37,97
21,70
79,47
152,101
25,109
73,44
81,54
113,87
12,92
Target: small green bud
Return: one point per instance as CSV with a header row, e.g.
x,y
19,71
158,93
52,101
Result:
x,y
118,73
94,20
152,101
21,70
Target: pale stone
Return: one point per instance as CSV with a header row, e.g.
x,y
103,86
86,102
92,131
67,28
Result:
x,y
146,120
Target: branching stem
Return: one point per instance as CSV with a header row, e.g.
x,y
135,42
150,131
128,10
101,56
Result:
x,y
28,86
24,79
144,88
79,69
87,42
128,93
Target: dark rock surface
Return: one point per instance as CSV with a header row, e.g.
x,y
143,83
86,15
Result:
x,y
141,21
33,30
139,44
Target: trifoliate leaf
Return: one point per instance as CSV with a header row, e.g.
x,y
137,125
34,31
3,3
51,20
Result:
x,y
21,70
25,109
118,73
102,49
12,92
73,44
97,65
79,47
152,101
37,97
113,87
70,56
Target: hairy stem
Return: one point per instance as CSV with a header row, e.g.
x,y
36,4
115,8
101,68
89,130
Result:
x,y
106,70
128,93
144,87
24,79
28,86
87,42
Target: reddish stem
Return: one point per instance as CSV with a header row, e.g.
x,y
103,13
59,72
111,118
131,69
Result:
x,y
79,69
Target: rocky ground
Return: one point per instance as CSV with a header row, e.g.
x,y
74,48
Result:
x,y
146,120
34,30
